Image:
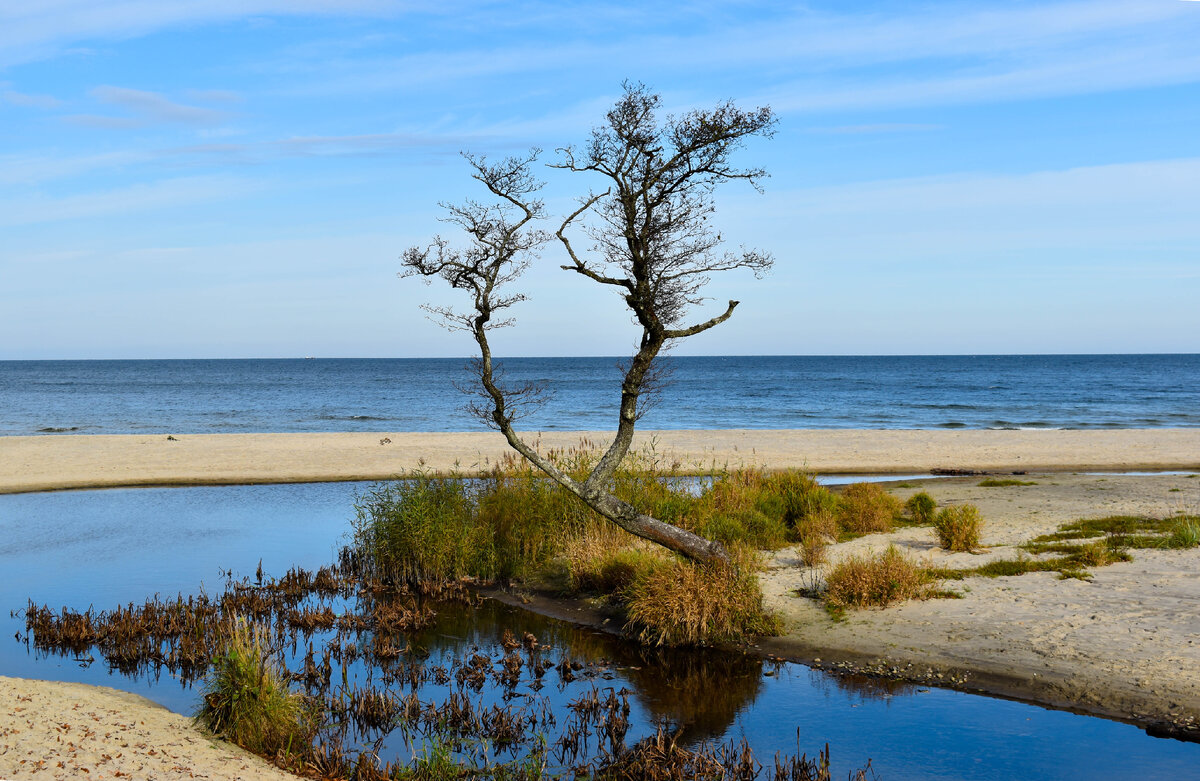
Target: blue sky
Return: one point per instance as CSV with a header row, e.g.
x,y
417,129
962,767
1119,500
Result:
x,y
211,178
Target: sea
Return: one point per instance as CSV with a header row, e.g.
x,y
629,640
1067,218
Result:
x,y
714,392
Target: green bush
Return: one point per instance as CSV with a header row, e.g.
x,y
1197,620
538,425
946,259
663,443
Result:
x,y
958,528
920,507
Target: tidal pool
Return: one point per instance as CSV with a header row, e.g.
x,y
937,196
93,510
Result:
x,y
110,547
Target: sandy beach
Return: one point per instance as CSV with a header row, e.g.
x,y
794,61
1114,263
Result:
x,y
51,730
1125,644
42,463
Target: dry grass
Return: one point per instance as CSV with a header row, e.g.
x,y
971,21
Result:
x,y
815,533
680,603
866,508
958,528
876,580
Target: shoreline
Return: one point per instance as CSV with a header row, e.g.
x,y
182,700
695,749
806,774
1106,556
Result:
x,y
76,461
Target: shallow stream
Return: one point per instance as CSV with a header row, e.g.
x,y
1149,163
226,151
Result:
x,y
104,548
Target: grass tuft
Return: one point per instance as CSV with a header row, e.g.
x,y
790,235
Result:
x,y
876,580
677,602
993,482
958,527
920,508
246,696
1185,533
867,508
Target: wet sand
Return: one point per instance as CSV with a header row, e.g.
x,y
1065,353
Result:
x,y
41,463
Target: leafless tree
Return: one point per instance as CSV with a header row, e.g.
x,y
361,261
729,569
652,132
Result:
x,y
651,240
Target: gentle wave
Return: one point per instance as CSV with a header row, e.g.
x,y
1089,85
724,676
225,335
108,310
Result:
x,y
772,392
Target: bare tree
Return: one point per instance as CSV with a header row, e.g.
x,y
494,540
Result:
x,y
651,241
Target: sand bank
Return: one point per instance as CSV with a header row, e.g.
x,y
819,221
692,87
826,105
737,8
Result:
x,y
52,730
1125,644
40,463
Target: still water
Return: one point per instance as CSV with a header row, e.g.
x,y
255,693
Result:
x,y
104,548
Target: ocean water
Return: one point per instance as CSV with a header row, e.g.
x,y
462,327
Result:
x,y
766,392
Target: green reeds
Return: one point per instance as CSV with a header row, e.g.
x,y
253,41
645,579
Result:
x,y
246,696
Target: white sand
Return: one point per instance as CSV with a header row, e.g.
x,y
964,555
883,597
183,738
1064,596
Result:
x,y
51,730
76,461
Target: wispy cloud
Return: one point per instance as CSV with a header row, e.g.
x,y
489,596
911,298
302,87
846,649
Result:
x,y
9,95
1137,208
33,30
128,200
935,55
155,106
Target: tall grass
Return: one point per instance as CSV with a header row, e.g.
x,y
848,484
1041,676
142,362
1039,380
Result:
x,y
677,602
921,507
246,696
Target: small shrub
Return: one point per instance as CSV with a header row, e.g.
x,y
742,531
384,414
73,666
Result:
x,y
681,603
815,532
1185,533
920,507
958,527
993,482
876,581
246,696
867,508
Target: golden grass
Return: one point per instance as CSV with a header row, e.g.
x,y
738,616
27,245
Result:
x,y
680,603
876,580
958,527
866,508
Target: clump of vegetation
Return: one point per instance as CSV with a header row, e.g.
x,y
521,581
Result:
x,y
958,527
1185,533
867,508
993,482
815,532
920,508
247,699
684,603
876,580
